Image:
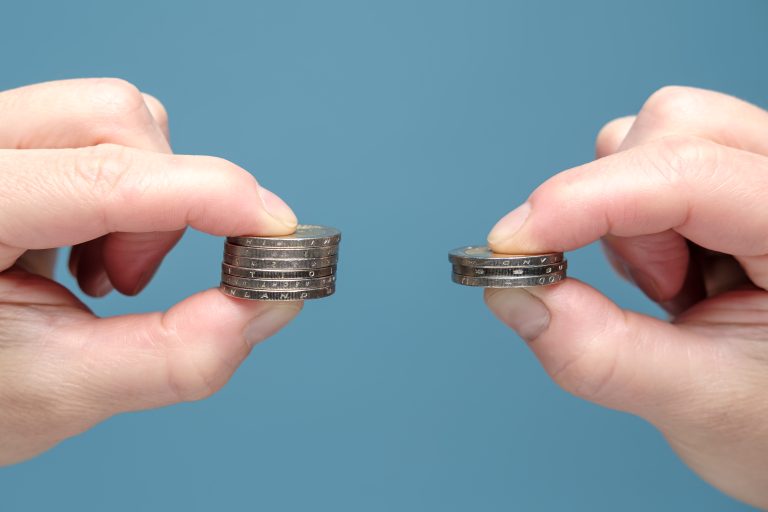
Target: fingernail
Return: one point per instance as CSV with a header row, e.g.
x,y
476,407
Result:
x,y
277,208
509,224
102,286
270,320
520,310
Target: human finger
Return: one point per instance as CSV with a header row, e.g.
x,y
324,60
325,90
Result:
x,y
695,187
64,197
599,352
658,263
86,112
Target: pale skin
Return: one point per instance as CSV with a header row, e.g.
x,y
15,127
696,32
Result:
x,y
677,195
87,163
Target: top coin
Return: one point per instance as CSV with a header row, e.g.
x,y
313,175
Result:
x,y
482,256
306,235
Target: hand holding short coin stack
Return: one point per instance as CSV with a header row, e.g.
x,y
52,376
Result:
x,y
479,266
292,267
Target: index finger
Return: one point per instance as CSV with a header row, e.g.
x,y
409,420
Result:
x,y
62,197
708,193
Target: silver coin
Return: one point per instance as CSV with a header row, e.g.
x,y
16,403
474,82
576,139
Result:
x,y
305,236
482,256
510,271
508,282
251,273
266,264
242,293
278,284
271,252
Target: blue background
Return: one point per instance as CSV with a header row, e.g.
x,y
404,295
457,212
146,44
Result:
x,y
412,126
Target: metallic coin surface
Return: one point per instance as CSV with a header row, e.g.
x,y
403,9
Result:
x,y
306,235
508,282
482,256
252,273
278,284
267,264
272,252
510,271
242,293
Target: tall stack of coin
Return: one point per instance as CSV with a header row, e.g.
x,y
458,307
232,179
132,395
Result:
x,y
479,266
293,267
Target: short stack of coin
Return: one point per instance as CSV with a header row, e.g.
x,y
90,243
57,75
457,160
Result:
x,y
479,266
293,267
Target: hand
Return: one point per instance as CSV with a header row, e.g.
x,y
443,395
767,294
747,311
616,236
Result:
x,y
679,196
122,200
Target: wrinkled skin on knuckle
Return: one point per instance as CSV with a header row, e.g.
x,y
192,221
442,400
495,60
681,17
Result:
x,y
101,174
683,159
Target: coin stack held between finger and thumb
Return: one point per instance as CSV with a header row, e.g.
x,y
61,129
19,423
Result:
x,y
479,266
293,267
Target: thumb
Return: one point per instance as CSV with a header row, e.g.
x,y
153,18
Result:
x,y
187,353
596,350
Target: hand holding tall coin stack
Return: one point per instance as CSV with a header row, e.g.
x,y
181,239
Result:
x,y
293,267
479,266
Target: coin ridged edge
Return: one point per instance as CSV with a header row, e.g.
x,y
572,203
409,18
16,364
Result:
x,y
278,284
255,273
281,252
276,295
280,263
459,256
510,271
511,282
293,240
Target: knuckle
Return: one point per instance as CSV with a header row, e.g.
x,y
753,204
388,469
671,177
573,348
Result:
x,y
587,375
120,108
683,157
115,96
98,173
672,102
592,369
196,370
198,374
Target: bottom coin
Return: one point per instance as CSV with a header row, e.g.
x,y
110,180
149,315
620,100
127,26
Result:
x,y
277,284
508,282
244,293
